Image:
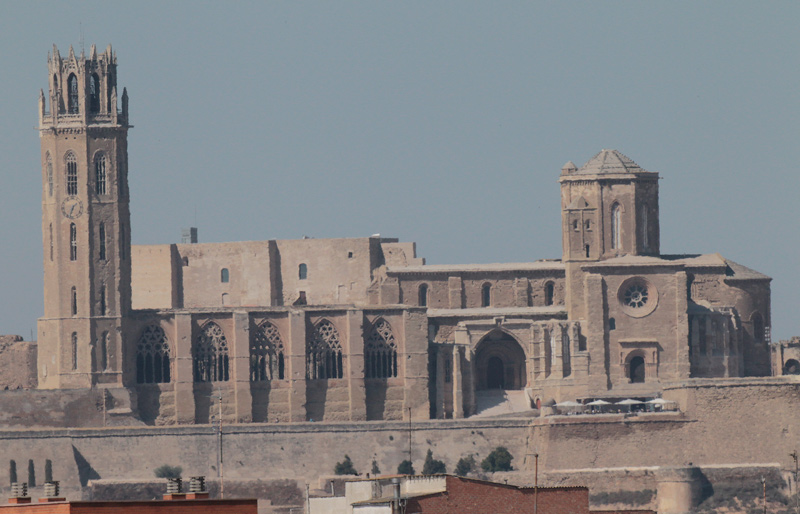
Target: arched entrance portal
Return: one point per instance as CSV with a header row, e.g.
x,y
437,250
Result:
x,y
500,362
792,367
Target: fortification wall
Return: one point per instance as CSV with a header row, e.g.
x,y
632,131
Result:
x,y
17,363
733,422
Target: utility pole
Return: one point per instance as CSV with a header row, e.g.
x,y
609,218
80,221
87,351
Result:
x,y
536,484
219,446
793,455
409,434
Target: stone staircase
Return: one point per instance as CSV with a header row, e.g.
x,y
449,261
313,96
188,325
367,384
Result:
x,y
498,402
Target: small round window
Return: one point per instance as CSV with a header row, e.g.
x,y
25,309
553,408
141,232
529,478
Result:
x,y
638,297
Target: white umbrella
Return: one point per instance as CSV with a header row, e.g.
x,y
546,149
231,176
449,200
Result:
x,y
630,402
569,403
599,402
659,401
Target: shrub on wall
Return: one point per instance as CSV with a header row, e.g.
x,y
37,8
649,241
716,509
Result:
x,y
405,468
167,471
499,460
345,467
433,466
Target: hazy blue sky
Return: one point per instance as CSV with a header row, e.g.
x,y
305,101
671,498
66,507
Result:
x,y
444,123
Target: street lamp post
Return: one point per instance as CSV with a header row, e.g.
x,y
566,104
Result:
x,y
793,455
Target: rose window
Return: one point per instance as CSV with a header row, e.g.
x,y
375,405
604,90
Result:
x,y
636,296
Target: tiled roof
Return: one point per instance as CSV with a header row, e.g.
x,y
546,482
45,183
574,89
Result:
x,y
609,161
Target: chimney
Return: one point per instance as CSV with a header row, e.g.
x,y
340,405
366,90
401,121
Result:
x,y
51,492
396,505
175,489
189,235
19,493
197,489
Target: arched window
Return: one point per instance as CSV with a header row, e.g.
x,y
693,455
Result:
x,y
210,355
380,352
302,272
94,93
101,234
103,300
55,86
324,352
616,227
72,86
758,328
74,301
423,295
51,242
224,276
49,174
93,356
486,295
74,351
549,289
152,356
104,352
71,164
266,354
645,241
100,173
73,242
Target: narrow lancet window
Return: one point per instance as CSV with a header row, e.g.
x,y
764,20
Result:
x,y
645,241
548,293
74,301
100,174
486,295
74,351
423,295
72,85
104,352
224,276
615,227
73,242
94,93
302,272
103,300
101,234
51,242
72,174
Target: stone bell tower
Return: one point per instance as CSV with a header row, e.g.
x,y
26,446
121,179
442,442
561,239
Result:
x,y
85,222
609,208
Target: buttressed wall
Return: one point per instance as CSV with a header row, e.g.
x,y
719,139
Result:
x,y
362,329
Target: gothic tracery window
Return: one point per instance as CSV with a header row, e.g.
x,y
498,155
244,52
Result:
x,y
324,352
266,354
152,356
100,174
380,352
72,86
72,173
210,355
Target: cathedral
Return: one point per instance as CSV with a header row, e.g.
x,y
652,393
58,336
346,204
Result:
x,y
362,329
